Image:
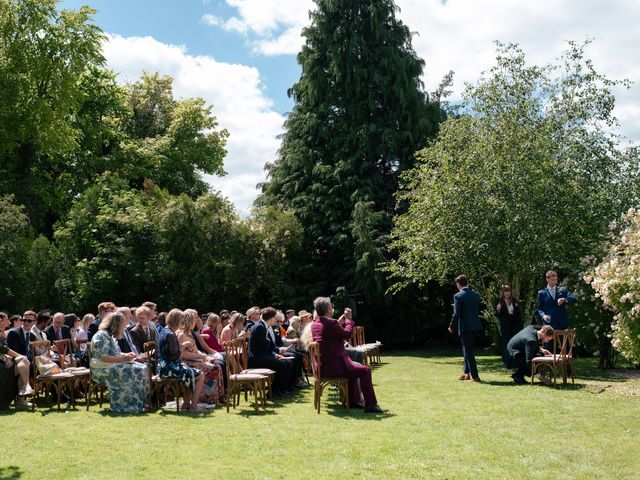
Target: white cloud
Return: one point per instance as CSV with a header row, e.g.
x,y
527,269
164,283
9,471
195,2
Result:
x,y
238,100
459,35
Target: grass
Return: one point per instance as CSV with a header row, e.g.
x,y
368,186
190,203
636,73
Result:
x,y
436,427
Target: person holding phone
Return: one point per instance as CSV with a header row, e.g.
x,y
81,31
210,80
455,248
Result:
x,y
330,335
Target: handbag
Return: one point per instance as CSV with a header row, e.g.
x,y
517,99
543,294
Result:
x,y
46,366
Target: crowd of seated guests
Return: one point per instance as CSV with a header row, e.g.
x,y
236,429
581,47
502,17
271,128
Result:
x,y
190,348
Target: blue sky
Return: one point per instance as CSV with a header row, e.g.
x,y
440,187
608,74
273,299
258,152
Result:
x,y
239,55
179,22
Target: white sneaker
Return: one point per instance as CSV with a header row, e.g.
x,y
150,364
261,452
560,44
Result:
x,y
26,392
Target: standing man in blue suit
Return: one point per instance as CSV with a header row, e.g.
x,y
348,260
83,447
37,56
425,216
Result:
x,y
552,303
466,313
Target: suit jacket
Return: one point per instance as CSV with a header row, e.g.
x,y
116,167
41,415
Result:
x,y
139,337
547,305
16,341
509,322
260,343
522,348
335,361
466,311
93,328
51,334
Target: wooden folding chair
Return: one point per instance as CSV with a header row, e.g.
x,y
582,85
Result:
x,y
158,384
371,352
561,358
58,380
238,382
320,383
68,365
243,345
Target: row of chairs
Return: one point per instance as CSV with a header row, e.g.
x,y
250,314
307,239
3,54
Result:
x,y
371,351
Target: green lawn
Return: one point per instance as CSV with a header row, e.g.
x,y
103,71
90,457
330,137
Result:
x,y
436,427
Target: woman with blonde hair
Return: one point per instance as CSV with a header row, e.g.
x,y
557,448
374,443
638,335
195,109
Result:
x,y
233,328
170,364
213,388
127,380
212,331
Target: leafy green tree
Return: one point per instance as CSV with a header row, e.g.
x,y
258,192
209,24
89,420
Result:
x,y
360,113
527,178
14,236
170,142
39,276
105,246
43,53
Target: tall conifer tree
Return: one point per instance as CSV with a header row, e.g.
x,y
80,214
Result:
x,y
360,113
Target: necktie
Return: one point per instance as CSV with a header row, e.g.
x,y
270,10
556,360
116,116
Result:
x,y
26,339
59,334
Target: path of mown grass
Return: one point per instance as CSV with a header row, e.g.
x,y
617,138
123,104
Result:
x,y
437,427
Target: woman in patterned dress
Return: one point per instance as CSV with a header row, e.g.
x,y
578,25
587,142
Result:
x,y
213,389
127,379
170,364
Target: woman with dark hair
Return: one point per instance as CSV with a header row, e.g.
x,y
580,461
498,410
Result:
x,y
17,366
127,380
15,321
170,364
510,317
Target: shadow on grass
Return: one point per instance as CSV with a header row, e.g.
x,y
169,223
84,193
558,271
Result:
x,y
10,473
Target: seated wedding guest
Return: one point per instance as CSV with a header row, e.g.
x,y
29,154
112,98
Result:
x,y
126,343
289,314
82,331
330,335
15,321
18,338
154,312
510,317
104,309
19,363
212,331
70,320
143,332
305,319
170,364
293,332
161,319
524,347
127,380
253,315
37,330
263,353
289,351
213,388
224,317
233,329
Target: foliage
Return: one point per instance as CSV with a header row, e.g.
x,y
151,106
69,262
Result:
x,y
616,279
39,276
527,178
43,53
14,234
360,113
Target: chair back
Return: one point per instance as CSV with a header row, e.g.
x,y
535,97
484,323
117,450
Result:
x,y
63,347
243,346
563,342
358,336
233,356
34,347
151,352
314,352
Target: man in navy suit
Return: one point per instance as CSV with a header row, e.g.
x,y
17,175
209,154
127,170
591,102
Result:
x,y
466,317
263,353
18,339
552,303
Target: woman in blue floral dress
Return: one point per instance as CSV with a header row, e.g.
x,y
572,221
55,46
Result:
x,y
127,380
170,364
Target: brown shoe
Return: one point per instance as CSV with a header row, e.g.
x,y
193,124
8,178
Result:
x,y
464,376
476,379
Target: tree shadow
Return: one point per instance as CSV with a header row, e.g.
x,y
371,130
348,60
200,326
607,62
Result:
x,y
10,473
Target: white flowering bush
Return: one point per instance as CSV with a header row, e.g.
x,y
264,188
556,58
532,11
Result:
x,y
616,280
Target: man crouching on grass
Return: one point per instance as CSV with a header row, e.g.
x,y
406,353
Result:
x,y
523,348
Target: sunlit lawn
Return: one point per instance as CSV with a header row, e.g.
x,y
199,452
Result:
x,y
436,427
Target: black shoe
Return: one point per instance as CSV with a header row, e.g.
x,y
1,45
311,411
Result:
x,y
290,391
374,409
518,379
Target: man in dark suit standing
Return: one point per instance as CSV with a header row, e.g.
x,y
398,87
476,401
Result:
x,y
552,303
523,348
466,317
263,353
